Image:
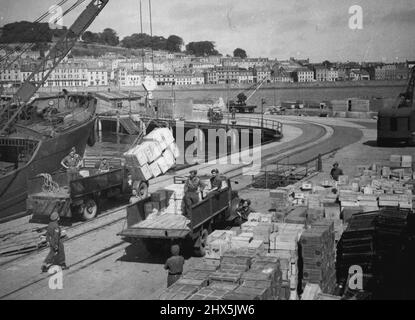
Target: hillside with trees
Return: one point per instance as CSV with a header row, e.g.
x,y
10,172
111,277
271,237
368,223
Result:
x,y
40,33
29,32
202,48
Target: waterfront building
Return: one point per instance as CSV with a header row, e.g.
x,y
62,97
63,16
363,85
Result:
x,y
183,79
261,74
245,76
303,75
359,74
198,78
211,77
11,75
97,77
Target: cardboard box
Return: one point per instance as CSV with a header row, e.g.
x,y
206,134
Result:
x,y
169,158
155,169
141,173
161,162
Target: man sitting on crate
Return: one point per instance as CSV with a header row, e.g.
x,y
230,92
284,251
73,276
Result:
x,y
243,211
215,181
192,187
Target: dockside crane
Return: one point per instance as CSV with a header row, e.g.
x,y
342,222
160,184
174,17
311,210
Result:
x,y
56,54
397,124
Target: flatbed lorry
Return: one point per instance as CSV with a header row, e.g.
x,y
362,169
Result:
x,y
80,198
216,209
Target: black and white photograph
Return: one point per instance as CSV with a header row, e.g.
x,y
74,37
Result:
x,y
229,151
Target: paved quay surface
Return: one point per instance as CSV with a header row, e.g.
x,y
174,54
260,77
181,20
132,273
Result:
x,y
99,265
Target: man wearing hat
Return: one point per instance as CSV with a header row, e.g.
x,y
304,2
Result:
x,y
104,166
56,254
72,163
174,265
336,171
192,187
243,211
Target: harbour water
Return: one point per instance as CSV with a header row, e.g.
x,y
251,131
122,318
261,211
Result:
x,y
274,96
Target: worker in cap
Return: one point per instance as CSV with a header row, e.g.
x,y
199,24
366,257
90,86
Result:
x,y
336,172
72,164
192,187
215,181
56,254
243,211
174,265
104,166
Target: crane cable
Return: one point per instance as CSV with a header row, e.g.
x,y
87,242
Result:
x,y
151,34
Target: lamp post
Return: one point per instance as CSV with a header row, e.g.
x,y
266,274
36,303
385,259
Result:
x,y
262,112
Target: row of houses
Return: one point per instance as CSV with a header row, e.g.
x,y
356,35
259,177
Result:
x,y
186,71
71,74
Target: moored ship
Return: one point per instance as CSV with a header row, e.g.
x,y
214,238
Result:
x,y
37,142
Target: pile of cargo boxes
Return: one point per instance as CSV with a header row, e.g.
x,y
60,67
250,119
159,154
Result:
x,y
166,201
234,269
372,187
284,246
318,255
154,156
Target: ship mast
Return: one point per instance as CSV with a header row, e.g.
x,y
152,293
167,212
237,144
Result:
x,y
56,54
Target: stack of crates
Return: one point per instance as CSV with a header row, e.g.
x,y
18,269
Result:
x,y
279,198
179,291
318,255
262,232
284,246
265,272
297,216
218,242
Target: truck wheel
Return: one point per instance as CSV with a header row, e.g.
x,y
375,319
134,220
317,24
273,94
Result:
x,y
90,209
200,250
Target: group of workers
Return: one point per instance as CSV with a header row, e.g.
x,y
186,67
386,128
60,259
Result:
x,y
73,162
193,188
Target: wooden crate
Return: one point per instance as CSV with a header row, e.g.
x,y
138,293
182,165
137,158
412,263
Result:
x,y
223,276
209,293
178,292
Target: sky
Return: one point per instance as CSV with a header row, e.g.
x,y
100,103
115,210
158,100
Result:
x,y
315,29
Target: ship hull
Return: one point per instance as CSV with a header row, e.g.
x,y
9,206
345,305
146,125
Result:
x,y
51,151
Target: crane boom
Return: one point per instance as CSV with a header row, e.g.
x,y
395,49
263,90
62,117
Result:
x,y
256,89
56,54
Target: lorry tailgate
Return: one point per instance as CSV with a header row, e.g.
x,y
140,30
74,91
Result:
x,y
42,204
166,226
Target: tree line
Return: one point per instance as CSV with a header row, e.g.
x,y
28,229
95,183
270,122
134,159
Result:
x,y
34,32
